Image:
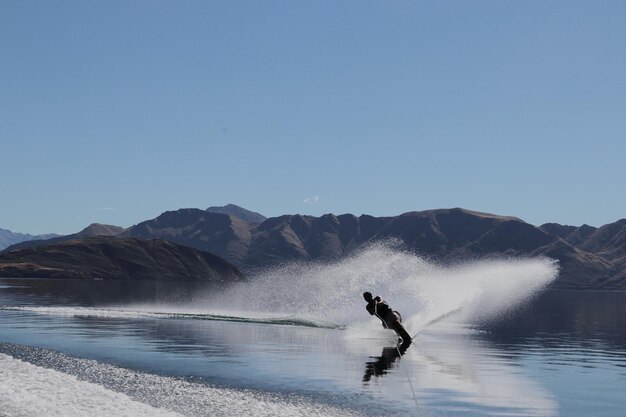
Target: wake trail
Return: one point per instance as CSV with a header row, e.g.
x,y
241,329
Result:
x,y
437,320
175,313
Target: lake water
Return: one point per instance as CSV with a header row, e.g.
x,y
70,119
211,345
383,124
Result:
x,y
98,348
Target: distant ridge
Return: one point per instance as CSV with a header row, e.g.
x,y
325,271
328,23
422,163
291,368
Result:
x,y
94,229
8,238
239,212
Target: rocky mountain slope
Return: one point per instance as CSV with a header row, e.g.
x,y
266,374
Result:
x,y
222,234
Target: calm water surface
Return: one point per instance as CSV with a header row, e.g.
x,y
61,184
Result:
x,y
562,354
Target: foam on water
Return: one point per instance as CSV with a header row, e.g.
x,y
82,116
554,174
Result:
x,y
30,391
59,385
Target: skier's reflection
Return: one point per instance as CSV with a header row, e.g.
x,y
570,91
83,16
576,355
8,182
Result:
x,y
384,362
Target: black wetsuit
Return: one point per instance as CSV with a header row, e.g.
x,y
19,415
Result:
x,y
391,319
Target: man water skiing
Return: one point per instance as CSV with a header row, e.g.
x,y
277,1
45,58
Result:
x,y
391,319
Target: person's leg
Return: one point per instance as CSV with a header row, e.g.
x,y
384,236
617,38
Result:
x,y
396,325
401,331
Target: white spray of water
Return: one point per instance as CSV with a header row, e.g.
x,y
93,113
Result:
x,y
421,290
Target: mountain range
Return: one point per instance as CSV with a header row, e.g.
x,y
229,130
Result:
x,y
589,257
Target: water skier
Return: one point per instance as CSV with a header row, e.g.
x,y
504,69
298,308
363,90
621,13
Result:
x,y
391,319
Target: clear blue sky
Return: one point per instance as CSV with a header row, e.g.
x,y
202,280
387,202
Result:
x,y
115,111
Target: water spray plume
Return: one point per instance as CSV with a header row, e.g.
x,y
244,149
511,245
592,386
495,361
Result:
x,y
421,290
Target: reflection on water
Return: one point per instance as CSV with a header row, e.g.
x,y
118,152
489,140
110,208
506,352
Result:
x,y
385,361
562,355
381,364
472,373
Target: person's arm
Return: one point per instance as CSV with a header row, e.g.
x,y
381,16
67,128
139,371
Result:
x,y
378,302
